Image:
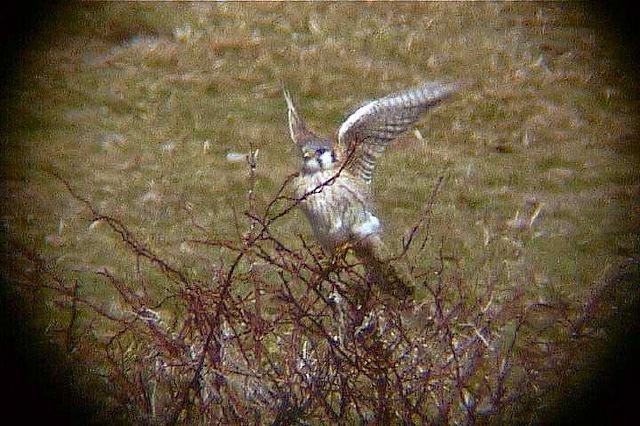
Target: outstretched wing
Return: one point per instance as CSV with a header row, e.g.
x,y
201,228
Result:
x,y
367,132
297,127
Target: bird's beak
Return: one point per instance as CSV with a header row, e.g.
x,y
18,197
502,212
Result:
x,y
308,154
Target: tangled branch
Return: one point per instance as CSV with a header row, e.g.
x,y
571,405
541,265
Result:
x,y
278,335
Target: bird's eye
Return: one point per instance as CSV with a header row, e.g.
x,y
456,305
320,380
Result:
x,y
320,151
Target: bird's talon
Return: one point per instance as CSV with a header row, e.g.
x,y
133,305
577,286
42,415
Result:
x,y
340,253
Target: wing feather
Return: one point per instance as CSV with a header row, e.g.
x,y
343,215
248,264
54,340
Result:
x,y
298,131
367,132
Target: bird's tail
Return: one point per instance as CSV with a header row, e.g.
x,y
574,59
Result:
x,y
393,278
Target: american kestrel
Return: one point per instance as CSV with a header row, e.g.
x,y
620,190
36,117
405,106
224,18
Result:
x,y
333,186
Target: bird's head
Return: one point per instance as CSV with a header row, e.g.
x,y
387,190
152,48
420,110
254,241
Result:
x,y
318,156
317,153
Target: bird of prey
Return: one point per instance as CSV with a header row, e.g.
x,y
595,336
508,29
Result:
x,y
333,186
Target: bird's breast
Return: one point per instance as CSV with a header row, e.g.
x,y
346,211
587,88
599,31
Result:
x,y
334,205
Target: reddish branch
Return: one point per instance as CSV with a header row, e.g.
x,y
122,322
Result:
x,y
276,334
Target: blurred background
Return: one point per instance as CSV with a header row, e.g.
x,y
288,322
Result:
x,y
139,107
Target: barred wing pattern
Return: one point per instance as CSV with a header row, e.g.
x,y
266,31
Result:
x,y
297,128
366,133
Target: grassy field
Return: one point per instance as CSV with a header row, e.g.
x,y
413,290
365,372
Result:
x,y
136,106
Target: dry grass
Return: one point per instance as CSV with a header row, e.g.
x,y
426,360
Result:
x,y
137,105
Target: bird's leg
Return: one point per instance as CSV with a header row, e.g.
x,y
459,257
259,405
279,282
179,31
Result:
x,y
336,262
335,258
391,278
340,253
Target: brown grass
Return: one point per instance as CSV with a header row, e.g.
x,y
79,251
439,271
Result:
x,y
190,310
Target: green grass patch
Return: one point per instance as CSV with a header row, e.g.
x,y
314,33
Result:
x,y
137,106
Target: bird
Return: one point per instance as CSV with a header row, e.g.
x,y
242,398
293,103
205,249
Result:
x,y
333,186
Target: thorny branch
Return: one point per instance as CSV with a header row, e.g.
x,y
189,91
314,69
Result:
x,y
273,336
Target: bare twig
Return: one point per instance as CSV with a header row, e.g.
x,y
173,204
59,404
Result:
x,y
276,334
